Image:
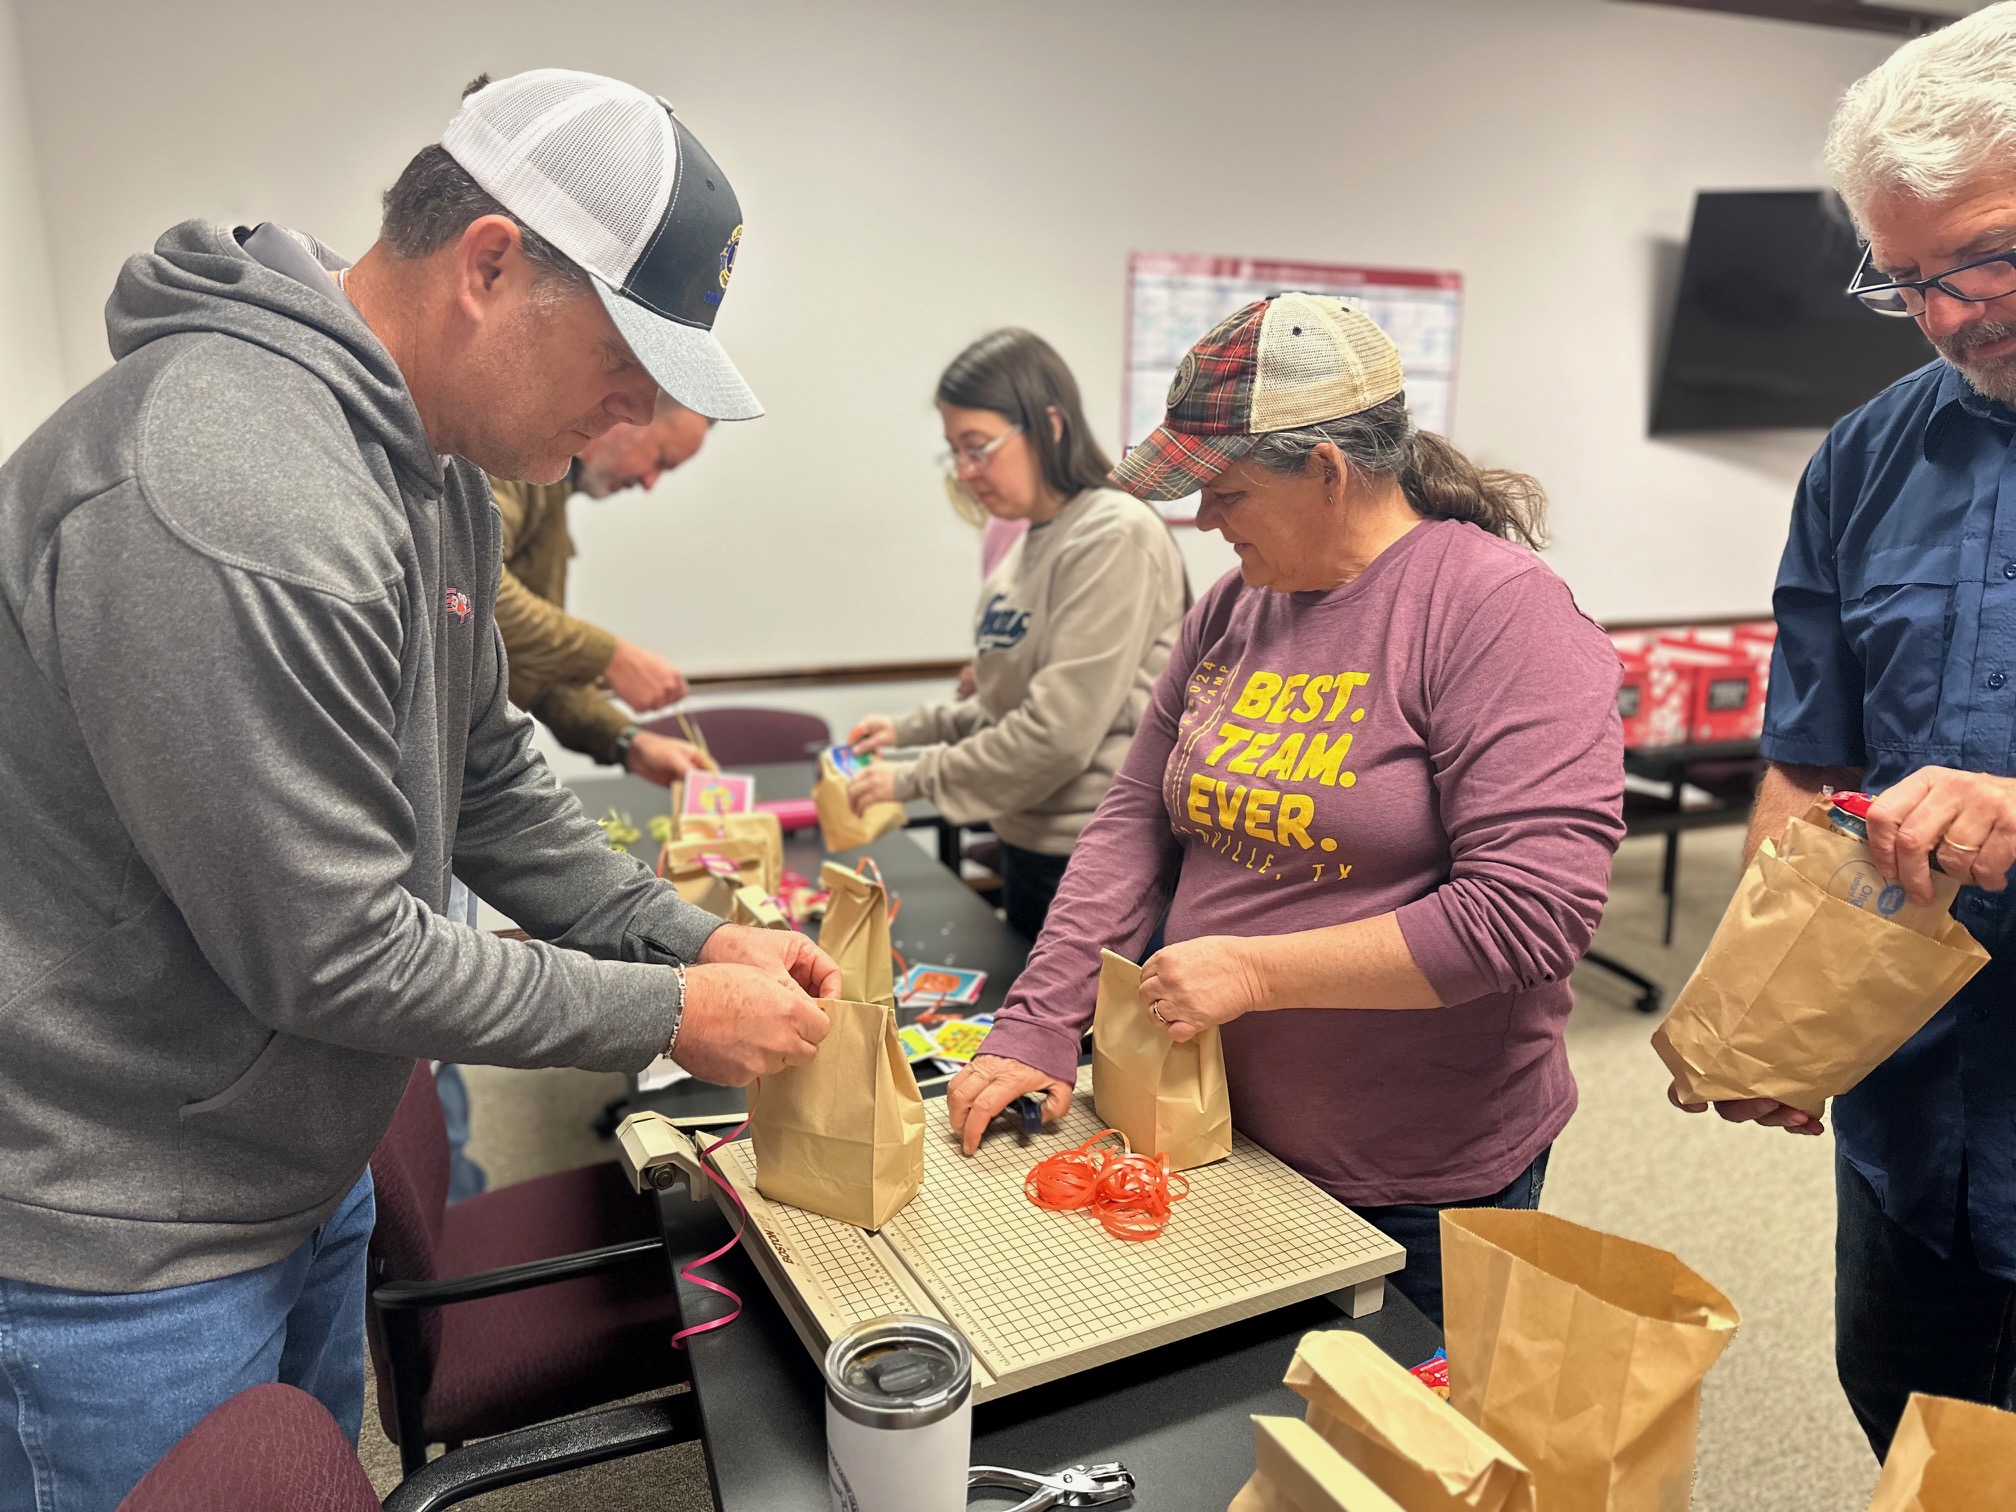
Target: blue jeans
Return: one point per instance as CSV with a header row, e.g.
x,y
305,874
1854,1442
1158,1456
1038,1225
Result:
x,y
1028,885
95,1387
1417,1227
1905,1320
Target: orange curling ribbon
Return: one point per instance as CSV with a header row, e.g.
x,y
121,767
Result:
x,y
1129,1193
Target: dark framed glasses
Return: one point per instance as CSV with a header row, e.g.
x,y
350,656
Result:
x,y
1974,282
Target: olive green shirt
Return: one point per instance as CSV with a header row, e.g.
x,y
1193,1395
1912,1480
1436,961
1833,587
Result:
x,y
555,659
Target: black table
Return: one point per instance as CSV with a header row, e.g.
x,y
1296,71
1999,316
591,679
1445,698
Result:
x,y
1177,1416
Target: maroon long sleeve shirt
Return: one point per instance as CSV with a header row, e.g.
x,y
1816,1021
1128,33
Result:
x,y
1436,739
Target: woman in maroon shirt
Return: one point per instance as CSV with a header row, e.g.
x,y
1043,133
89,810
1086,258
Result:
x,y
1382,772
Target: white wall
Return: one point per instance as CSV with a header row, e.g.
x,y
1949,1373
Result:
x,y
31,357
916,173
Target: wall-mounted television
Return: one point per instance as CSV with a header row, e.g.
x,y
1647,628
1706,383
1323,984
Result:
x,y
1762,337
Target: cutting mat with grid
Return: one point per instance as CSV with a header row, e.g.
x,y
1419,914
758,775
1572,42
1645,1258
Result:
x,y
1041,1295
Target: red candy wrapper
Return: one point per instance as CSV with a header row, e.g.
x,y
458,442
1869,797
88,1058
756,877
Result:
x,y
1433,1373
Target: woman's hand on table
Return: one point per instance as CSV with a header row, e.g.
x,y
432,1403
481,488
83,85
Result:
x,y
983,1090
872,734
876,785
1197,984
783,950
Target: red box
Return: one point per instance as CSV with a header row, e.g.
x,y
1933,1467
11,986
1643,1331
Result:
x,y
1730,678
1655,699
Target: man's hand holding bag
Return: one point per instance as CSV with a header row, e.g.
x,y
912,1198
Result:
x,y
1817,973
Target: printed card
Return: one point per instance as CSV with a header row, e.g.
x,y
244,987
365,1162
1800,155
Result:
x,y
917,1045
940,986
960,1040
712,794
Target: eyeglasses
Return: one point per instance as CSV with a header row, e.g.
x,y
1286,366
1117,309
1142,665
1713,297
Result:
x,y
1976,282
973,459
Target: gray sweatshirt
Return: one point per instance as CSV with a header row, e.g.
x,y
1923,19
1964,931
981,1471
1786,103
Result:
x,y
1074,626
252,710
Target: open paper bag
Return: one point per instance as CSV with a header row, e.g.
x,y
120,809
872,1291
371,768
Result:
x,y
1403,1436
1168,1099
708,872
844,1134
754,909
761,830
840,828
1294,1470
1817,973
855,932
1581,1353
1948,1456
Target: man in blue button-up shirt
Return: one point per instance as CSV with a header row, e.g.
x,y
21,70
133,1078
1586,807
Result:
x,y
1896,606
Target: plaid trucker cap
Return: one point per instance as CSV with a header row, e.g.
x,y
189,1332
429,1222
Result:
x,y
610,176
1278,364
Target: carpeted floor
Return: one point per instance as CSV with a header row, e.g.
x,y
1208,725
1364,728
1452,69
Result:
x,y
1750,1209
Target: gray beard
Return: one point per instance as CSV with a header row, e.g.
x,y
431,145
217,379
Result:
x,y
1992,378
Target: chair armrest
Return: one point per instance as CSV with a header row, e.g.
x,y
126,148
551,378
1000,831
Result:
x,y
547,1449
397,1295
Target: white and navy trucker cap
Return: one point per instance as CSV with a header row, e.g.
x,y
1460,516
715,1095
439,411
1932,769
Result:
x,y
607,173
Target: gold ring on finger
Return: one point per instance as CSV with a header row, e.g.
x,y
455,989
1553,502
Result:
x,y
1155,1012
1965,850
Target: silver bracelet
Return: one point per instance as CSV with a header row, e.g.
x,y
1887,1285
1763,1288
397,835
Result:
x,y
678,1009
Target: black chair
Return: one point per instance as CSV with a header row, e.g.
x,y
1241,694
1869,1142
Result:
x,y
753,736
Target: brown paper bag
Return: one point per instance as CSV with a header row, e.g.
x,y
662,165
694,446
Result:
x,y
855,932
1807,986
1581,1353
840,828
684,864
1168,1099
753,909
1295,1471
1403,1436
844,1134
761,830
1948,1456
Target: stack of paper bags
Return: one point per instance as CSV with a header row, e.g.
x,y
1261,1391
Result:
x,y
1168,1099
840,828
1400,1437
1581,1353
1817,973
1948,1457
762,831
843,1135
855,932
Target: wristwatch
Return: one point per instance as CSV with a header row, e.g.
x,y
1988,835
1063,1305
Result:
x,y
630,733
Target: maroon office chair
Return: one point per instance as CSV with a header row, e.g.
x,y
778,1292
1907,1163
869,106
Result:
x,y
463,1345
752,737
270,1449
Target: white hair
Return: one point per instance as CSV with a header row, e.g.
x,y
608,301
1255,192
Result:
x,y
1938,114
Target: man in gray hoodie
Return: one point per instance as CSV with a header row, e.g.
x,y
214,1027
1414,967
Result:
x,y
253,709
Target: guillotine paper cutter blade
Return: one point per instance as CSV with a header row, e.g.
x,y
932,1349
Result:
x,y
1041,1295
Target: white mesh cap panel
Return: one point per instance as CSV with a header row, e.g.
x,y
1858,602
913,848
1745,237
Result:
x,y
1320,360
587,162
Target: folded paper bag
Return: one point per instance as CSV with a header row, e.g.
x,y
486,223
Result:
x,y
1373,1411
1948,1456
855,931
753,909
843,1135
1582,1353
1168,1099
761,830
707,872
1294,1470
840,828
1817,973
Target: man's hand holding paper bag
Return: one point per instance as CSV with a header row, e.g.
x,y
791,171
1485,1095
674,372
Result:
x,y
1821,968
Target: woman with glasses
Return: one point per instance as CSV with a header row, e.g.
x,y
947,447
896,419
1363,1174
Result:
x,y
1374,798
1073,626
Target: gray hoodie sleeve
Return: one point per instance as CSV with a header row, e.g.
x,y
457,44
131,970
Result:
x,y
244,723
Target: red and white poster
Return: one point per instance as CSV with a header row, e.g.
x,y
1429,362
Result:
x,y
1173,298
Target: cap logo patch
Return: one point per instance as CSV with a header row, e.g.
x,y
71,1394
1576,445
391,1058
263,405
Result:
x,y
728,255
1186,375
